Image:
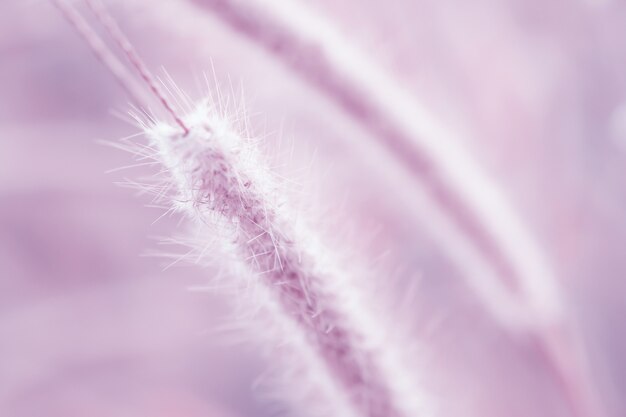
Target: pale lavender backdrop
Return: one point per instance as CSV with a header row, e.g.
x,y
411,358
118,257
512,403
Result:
x,y
89,326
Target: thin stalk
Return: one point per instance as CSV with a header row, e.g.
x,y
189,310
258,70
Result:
x,y
102,52
142,70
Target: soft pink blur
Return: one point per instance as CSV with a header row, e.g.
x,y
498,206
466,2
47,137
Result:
x,y
91,326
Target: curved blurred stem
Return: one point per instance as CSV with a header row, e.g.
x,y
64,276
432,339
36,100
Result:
x,y
469,200
558,348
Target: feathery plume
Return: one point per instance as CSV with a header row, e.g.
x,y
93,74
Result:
x,y
504,265
217,180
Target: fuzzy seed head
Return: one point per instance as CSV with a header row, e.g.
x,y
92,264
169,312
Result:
x,y
219,181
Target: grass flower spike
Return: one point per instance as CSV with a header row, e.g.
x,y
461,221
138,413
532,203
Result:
x,y
216,178
219,181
